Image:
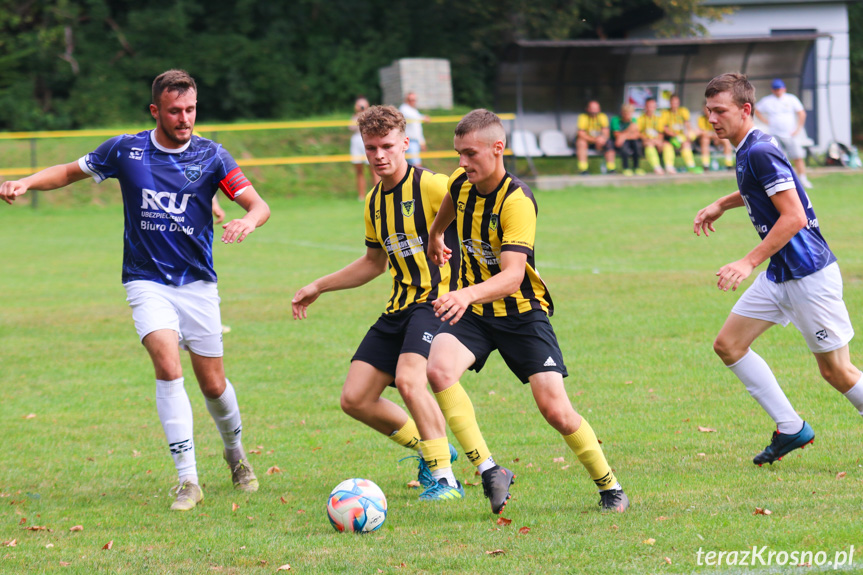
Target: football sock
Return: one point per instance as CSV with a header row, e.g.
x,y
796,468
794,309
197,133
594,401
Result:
x,y
611,166
461,418
582,166
761,384
226,414
175,413
485,465
855,395
586,447
445,473
668,155
686,154
652,157
435,452
705,158
408,436
729,161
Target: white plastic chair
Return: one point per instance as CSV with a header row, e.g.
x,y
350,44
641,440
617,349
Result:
x,y
524,144
553,143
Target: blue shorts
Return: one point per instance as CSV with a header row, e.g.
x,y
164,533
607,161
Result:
x,y
526,342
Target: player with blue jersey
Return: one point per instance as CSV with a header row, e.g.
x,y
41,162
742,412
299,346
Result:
x,y
802,283
169,179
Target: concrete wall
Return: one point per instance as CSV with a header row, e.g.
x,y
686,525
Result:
x,y
430,78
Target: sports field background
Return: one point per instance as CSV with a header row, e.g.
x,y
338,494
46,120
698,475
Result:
x,y
636,313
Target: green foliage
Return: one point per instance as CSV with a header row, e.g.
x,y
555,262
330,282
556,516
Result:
x,y
86,63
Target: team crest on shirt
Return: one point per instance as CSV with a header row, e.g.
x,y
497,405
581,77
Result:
x,y
193,172
493,222
408,208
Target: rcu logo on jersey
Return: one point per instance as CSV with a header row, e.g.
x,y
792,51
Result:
x,y
153,200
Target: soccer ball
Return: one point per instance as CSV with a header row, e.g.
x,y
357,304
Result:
x,y
357,505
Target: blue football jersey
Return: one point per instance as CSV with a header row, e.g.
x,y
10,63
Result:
x,y
763,170
167,198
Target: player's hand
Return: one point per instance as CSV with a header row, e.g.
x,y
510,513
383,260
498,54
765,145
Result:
x,y
11,190
237,230
438,252
303,299
730,275
704,219
218,213
451,306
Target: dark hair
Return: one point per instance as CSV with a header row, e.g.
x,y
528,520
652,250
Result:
x,y
380,121
172,81
735,84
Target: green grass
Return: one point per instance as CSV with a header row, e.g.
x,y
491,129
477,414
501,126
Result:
x,y
636,312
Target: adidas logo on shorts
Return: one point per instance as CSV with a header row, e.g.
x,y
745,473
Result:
x,y
549,363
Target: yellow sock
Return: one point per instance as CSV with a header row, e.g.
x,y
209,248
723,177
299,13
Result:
x,y
668,155
705,158
458,411
436,452
582,166
652,156
408,436
586,447
729,161
611,166
686,154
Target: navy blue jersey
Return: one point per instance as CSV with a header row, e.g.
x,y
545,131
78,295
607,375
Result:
x,y
167,196
763,170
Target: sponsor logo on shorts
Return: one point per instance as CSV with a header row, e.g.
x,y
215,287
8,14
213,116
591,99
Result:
x,y
549,363
821,334
408,208
428,337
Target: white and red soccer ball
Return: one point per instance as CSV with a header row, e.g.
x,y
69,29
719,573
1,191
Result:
x,y
357,505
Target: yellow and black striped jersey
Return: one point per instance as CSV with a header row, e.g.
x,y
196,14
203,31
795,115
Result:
x,y
676,120
650,125
489,224
593,125
398,221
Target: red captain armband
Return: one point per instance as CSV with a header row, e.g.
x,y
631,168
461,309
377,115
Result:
x,y
234,182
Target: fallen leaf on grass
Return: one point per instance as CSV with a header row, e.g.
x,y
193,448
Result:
x,y
35,528
10,543
668,560
22,521
760,511
273,469
649,541
283,500
234,507
841,475
496,552
108,545
76,528
136,453
28,416
471,484
284,567
558,460
662,518
64,563
524,530
255,451
706,429
503,521
413,484
49,546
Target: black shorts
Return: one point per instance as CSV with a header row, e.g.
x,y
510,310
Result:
x,y
526,342
410,330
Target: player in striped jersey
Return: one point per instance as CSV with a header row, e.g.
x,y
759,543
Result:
x,y
502,304
398,213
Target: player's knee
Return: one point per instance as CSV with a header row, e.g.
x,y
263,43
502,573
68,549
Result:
x,y
726,350
438,376
560,417
352,403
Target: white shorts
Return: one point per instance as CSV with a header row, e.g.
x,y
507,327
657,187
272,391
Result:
x,y
814,304
792,147
358,149
191,310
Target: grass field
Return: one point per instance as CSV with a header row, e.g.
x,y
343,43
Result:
x,y
637,310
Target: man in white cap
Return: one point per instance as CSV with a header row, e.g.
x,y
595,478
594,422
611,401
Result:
x,y
784,115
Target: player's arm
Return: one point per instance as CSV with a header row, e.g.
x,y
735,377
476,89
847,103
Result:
x,y
257,213
760,116
355,274
801,120
438,252
706,216
48,179
792,219
451,306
